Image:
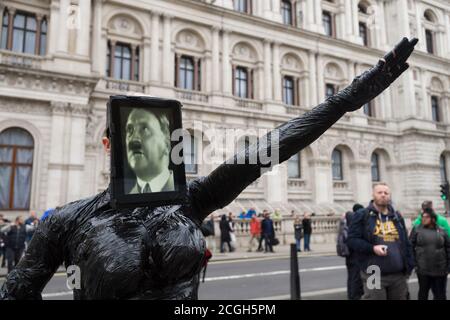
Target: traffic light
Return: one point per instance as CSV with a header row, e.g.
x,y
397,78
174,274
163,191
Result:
x,y
445,191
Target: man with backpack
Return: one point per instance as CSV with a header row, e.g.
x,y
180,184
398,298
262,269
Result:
x,y
354,283
379,237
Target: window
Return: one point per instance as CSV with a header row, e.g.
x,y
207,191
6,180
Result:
x,y
242,6
24,33
123,61
327,20
330,90
375,168
435,109
294,166
430,41
288,91
363,33
43,41
5,28
443,168
336,164
286,12
190,154
241,82
16,161
362,8
368,109
189,72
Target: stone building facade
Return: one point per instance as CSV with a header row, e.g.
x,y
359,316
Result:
x,y
247,64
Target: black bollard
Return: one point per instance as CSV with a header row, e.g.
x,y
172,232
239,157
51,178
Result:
x,y
295,275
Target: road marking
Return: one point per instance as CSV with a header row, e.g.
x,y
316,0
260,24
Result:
x,y
272,273
250,259
56,294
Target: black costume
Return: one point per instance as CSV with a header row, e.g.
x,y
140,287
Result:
x,y
157,253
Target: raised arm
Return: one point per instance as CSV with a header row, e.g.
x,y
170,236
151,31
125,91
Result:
x,y
228,180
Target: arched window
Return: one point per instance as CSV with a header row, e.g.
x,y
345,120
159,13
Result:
x,y
375,167
336,164
190,154
431,26
5,27
443,168
16,161
294,166
43,39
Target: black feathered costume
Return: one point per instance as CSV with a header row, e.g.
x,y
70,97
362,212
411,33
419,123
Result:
x,y
157,253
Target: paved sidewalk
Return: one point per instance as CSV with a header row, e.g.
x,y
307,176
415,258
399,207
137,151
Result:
x,y
280,251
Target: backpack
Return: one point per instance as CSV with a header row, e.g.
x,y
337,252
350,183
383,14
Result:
x,y
341,246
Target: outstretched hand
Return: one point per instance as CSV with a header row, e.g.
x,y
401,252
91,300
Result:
x,y
371,83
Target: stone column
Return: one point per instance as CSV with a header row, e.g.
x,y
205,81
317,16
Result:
x,y
425,98
356,21
403,17
226,80
215,60
362,186
312,79
63,30
320,80
318,16
266,9
348,19
422,45
382,31
321,180
167,56
206,72
155,62
97,52
267,71
309,15
83,39
276,72
11,13
37,47
447,28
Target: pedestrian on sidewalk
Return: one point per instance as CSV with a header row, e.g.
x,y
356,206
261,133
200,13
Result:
x,y
441,221
255,231
209,233
298,232
225,237
431,246
268,233
354,284
261,238
379,237
277,217
307,231
15,236
232,224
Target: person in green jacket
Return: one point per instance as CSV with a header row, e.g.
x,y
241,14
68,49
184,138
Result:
x,y
441,220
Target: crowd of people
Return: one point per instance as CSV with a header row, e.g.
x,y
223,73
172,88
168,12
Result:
x,y
261,227
375,238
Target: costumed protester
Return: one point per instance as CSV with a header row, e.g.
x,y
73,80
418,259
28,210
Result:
x,y
158,252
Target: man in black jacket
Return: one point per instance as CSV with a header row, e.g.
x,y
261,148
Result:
x,y
157,252
378,236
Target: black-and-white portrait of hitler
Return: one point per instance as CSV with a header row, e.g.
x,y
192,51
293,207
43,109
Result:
x,y
141,145
147,140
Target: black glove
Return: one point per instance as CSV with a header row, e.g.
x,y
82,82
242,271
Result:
x,y
371,83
